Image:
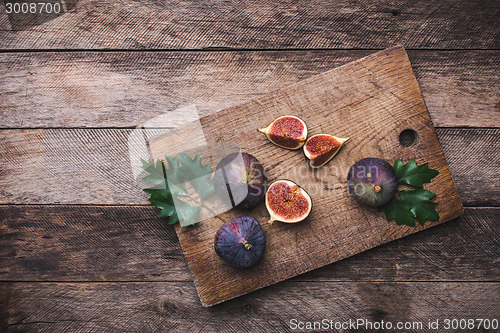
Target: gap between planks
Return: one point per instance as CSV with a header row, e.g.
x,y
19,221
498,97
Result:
x,y
230,49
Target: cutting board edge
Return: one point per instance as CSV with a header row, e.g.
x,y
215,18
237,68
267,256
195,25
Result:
x,y
207,303
457,211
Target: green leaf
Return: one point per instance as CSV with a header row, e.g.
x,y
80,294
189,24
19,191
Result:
x,y
197,174
152,168
413,174
156,173
398,210
168,181
177,189
160,195
412,204
174,177
167,209
421,206
187,213
172,219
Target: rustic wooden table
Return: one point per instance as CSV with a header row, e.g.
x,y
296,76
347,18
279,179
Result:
x,y
81,248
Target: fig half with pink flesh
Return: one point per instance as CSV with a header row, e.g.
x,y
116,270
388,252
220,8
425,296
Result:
x,y
287,202
321,148
288,132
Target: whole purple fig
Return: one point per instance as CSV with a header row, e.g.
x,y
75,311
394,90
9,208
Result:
x,y
372,181
240,242
240,180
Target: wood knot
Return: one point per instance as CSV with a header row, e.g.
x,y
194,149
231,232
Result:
x,y
167,306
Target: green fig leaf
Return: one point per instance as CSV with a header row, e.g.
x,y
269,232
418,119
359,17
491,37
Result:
x,y
410,205
413,174
421,206
169,182
160,194
187,213
156,173
399,211
174,177
197,174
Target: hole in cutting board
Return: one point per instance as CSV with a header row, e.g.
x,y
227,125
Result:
x,y
408,137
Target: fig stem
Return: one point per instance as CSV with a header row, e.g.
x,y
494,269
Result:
x,y
220,218
211,211
247,245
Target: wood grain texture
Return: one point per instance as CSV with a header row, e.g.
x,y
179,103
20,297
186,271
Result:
x,y
107,243
371,100
126,89
484,169
174,307
88,243
123,89
61,166
91,166
149,24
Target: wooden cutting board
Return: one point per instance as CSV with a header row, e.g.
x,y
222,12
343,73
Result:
x,y
372,101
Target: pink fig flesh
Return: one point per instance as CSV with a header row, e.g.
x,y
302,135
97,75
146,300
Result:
x,y
287,202
321,148
288,132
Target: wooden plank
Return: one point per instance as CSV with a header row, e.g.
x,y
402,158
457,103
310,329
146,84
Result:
x,y
486,165
90,89
333,102
63,166
149,24
88,243
123,243
91,166
173,306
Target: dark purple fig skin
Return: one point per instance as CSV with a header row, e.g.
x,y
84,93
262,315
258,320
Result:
x,y
240,242
245,182
372,181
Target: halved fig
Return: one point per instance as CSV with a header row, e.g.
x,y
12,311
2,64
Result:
x,y
287,202
321,148
288,132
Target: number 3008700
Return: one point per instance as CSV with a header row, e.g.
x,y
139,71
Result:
x,y
32,8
